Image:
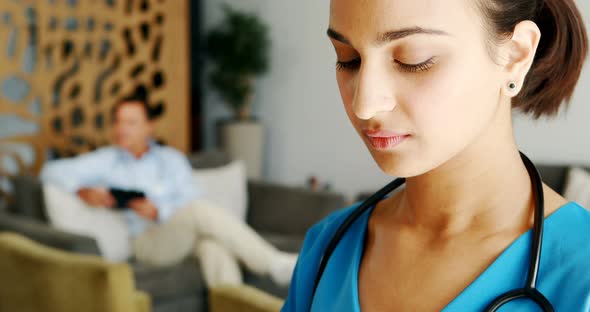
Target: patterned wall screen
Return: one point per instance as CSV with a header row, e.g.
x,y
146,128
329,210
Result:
x,y
64,63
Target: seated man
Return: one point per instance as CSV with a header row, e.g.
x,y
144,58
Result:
x,y
170,222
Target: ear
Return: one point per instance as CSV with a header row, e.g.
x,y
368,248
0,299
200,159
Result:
x,y
519,52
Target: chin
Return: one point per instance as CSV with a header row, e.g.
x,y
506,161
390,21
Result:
x,y
396,168
398,164
123,145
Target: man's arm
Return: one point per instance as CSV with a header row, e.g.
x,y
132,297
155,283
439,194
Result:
x,y
97,197
145,208
77,175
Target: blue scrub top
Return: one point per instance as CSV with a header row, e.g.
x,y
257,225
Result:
x,y
564,274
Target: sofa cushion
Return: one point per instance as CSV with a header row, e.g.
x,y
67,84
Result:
x,y
225,187
28,198
289,243
108,227
288,210
577,186
553,176
265,283
166,283
47,235
209,159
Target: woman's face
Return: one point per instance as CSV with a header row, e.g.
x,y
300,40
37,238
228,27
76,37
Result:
x,y
416,78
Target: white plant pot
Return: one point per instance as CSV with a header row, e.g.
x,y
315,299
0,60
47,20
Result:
x,y
244,140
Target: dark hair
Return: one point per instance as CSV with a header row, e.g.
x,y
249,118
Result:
x,y
132,99
561,53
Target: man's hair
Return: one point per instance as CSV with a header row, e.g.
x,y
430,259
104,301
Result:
x,y
133,99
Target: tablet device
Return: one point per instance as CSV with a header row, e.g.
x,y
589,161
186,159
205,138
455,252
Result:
x,y
123,196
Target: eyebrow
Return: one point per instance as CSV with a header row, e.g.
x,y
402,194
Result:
x,y
390,35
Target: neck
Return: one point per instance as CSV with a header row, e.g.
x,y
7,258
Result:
x,y
138,151
486,187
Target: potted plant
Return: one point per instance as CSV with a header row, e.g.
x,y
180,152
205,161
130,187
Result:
x,y
238,51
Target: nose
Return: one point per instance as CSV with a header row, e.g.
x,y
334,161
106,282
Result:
x,y
374,91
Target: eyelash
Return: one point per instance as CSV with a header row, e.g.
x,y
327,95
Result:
x,y
410,68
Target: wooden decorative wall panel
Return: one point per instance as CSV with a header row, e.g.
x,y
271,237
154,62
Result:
x,y
64,63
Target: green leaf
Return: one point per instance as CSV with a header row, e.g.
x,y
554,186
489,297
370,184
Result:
x,y
238,49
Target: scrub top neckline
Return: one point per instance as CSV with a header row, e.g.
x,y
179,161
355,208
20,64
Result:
x,y
498,261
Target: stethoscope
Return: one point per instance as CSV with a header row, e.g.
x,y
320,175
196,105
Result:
x,y
529,291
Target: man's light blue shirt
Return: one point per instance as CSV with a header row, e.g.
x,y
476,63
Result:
x,y
162,173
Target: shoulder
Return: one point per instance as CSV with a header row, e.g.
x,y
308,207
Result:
x,y
567,241
572,223
321,232
319,235
170,154
109,151
565,262
568,230
168,151
102,153
316,241
92,162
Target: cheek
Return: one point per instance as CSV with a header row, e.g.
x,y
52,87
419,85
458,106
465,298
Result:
x,y
452,103
119,130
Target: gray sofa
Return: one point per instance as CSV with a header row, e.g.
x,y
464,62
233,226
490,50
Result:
x,y
281,214
555,176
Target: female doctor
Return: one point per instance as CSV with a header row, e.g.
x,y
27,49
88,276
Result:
x,y
430,86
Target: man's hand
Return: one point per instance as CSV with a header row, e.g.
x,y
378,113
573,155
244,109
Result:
x,y
145,208
97,197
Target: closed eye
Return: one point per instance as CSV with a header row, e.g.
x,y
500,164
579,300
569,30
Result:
x,y
410,68
348,66
414,68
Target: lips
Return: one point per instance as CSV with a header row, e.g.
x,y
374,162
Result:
x,y
383,133
385,139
